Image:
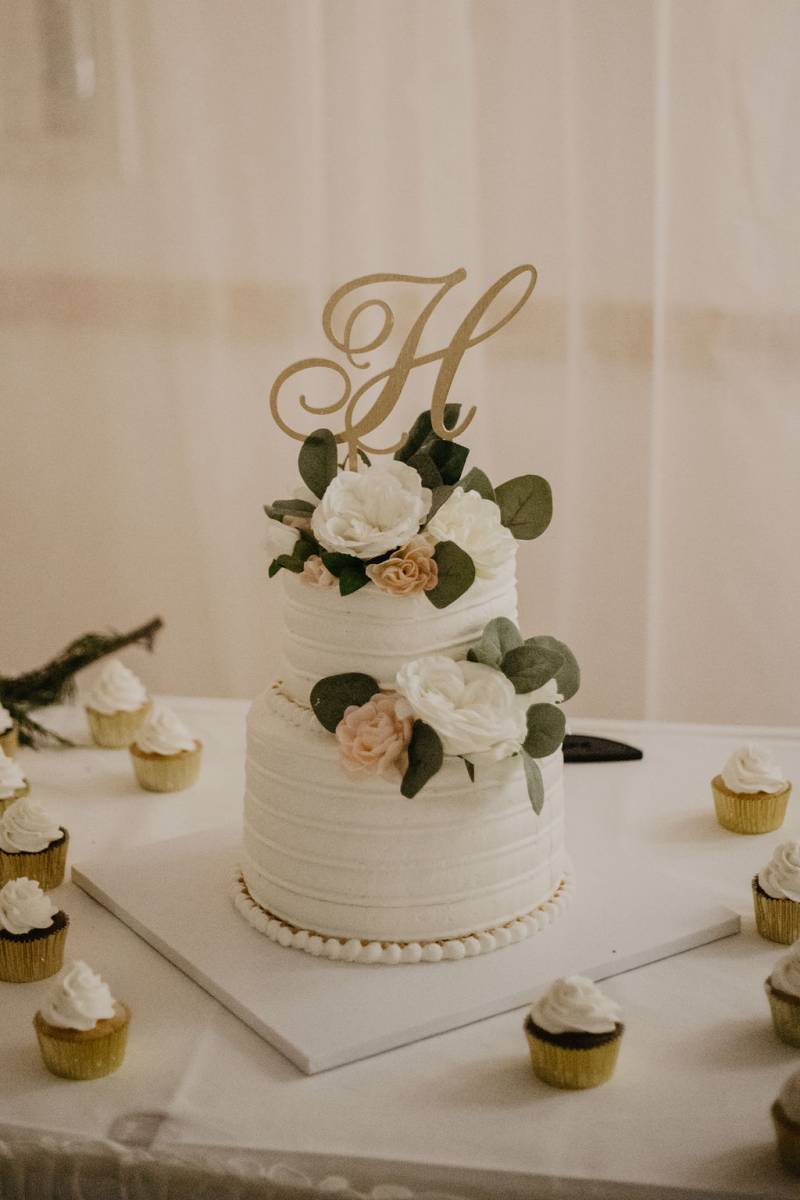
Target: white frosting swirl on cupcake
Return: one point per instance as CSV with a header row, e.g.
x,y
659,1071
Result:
x,y
24,906
11,777
117,690
164,733
25,827
789,1098
751,769
780,878
575,1005
79,1000
786,972
6,720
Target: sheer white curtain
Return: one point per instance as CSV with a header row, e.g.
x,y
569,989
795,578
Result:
x,y
164,258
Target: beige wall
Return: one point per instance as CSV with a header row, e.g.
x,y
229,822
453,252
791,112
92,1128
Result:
x,y
157,273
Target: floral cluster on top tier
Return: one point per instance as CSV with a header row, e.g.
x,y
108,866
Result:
x,y
501,702
418,526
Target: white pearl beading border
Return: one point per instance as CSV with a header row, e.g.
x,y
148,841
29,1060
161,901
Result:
x,y
392,953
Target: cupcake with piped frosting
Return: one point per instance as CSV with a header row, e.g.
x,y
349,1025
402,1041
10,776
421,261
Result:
x,y
33,931
783,992
165,755
786,1118
82,1031
776,895
574,1034
116,706
13,784
751,793
8,732
32,845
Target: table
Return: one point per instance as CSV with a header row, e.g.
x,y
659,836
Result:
x,y
687,1109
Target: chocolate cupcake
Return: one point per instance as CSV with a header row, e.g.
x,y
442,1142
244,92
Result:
x,y
33,931
574,1034
783,992
786,1118
32,845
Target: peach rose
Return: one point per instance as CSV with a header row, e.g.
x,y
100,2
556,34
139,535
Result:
x,y
412,569
373,739
315,572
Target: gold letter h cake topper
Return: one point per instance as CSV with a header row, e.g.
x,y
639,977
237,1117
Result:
x,y
389,383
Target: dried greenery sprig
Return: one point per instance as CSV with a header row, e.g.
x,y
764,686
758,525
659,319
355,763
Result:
x,y
55,681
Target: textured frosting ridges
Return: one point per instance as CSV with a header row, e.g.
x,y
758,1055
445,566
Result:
x,y
371,632
348,857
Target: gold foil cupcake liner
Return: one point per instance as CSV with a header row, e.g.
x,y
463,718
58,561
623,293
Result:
x,y
25,961
760,812
785,1015
788,1135
78,1054
47,867
7,801
567,1067
9,741
166,772
776,920
116,731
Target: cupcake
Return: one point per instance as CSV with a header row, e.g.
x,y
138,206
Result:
x,y
13,784
166,758
32,845
8,732
82,1030
750,795
776,895
573,1034
32,933
786,1116
783,992
116,706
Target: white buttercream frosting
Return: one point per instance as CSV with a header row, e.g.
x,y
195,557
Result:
x,y
79,1000
164,733
780,879
575,1005
25,827
11,776
117,690
752,768
6,720
472,707
789,1098
366,513
24,906
786,972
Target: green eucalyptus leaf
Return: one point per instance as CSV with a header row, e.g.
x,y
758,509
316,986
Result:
x,y
425,757
449,458
352,580
533,778
422,429
470,769
335,693
456,574
288,508
293,562
367,461
440,494
568,675
498,637
530,667
526,505
317,461
477,481
546,726
336,562
426,468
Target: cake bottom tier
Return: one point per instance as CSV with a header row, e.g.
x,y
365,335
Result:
x,y
348,858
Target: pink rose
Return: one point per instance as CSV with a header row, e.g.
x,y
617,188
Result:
x,y
410,570
372,739
315,572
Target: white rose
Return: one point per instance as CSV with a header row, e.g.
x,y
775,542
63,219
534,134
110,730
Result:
x,y
472,707
366,513
474,524
280,538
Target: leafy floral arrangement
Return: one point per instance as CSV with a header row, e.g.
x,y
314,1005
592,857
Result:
x,y
415,526
501,702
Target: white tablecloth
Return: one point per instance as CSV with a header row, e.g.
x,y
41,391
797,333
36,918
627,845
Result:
x,y
699,1067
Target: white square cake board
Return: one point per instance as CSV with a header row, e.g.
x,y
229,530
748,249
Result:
x,y
323,1014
